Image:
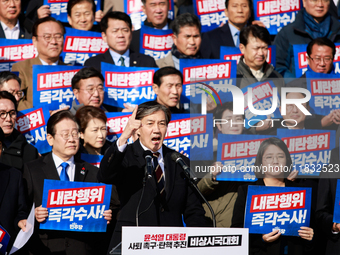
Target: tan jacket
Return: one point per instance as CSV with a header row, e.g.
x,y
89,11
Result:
x,y
166,61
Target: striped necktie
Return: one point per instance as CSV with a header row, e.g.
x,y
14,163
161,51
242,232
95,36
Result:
x,y
158,174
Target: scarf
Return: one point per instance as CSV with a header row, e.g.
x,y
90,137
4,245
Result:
x,y
177,54
315,29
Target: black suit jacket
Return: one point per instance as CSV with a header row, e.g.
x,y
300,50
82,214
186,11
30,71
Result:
x,y
126,170
136,59
49,241
12,200
214,39
23,34
326,201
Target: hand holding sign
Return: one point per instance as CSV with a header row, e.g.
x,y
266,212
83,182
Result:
x,y
272,236
131,127
108,215
306,233
44,11
41,213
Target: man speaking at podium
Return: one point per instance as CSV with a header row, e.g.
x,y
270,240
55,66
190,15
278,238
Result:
x,y
167,194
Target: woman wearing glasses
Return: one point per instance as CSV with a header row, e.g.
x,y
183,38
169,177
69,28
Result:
x,y
272,153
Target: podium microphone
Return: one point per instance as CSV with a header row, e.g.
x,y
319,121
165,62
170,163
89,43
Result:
x,y
148,160
175,156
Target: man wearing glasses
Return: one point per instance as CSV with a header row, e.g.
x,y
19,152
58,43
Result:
x,y
88,89
16,151
11,82
48,39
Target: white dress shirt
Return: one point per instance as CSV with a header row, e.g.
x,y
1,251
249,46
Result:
x,y
11,33
45,64
71,169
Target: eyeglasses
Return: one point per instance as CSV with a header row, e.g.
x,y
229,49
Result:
x,y
49,37
12,114
317,60
7,2
19,93
290,107
66,136
92,90
322,1
270,158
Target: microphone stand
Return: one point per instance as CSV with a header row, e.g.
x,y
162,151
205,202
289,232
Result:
x,y
146,176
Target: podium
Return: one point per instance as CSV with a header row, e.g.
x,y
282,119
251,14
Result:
x,y
182,240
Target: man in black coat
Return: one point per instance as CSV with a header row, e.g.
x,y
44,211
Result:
x,y
123,165
116,32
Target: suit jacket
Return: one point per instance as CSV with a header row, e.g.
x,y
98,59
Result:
x,y
13,206
126,170
214,39
23,34
326,201
166,61
50,241
26,75
136,59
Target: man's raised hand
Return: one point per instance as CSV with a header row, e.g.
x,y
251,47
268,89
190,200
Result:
x,y
131,127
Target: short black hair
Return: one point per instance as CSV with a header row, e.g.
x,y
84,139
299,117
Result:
x,y
6,95
85,73
5,76
185,19
321,41
148,108
251,7
56,118
72,3
220,109
165,71
257,32
104,23
43,20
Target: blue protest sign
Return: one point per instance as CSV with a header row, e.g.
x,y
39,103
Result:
x,y
237,154
336,214
207,75
128,84
4,239
12,51
234,53
116,122
75,206
155,43
52,86
80,45
211,13
92,159
283,208
262,99
32,124
309,149
134,9
276,14
58,8
325,92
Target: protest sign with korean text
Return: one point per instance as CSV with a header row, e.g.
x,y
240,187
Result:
x,y
128,84
336,214
12,51
4,239
234,53
32,124
92,159
325,92
134,9
75,206
276,14
155,43
309,149
116,122
262,99
277,208
58,8
80,45
237,154
210,13
207,75
52,86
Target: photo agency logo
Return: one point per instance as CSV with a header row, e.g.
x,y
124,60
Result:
x,y
242,102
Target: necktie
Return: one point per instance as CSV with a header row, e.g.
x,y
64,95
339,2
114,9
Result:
x,y
238,39
122,61
158,174
63,174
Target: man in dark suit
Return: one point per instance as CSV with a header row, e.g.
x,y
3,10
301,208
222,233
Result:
x,y
116,32
63,136
48,39
124,165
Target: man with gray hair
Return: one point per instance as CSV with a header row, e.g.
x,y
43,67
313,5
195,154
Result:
x,y
166,195
187,40
11,83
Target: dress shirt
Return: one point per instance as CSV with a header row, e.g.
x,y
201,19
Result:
x,y
258,74
71,169
45,64
235,33
115,56
11,33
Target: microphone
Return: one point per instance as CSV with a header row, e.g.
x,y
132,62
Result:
x,y
148,160
175,156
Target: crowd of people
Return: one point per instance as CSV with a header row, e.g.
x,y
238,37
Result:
x,y
168,199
